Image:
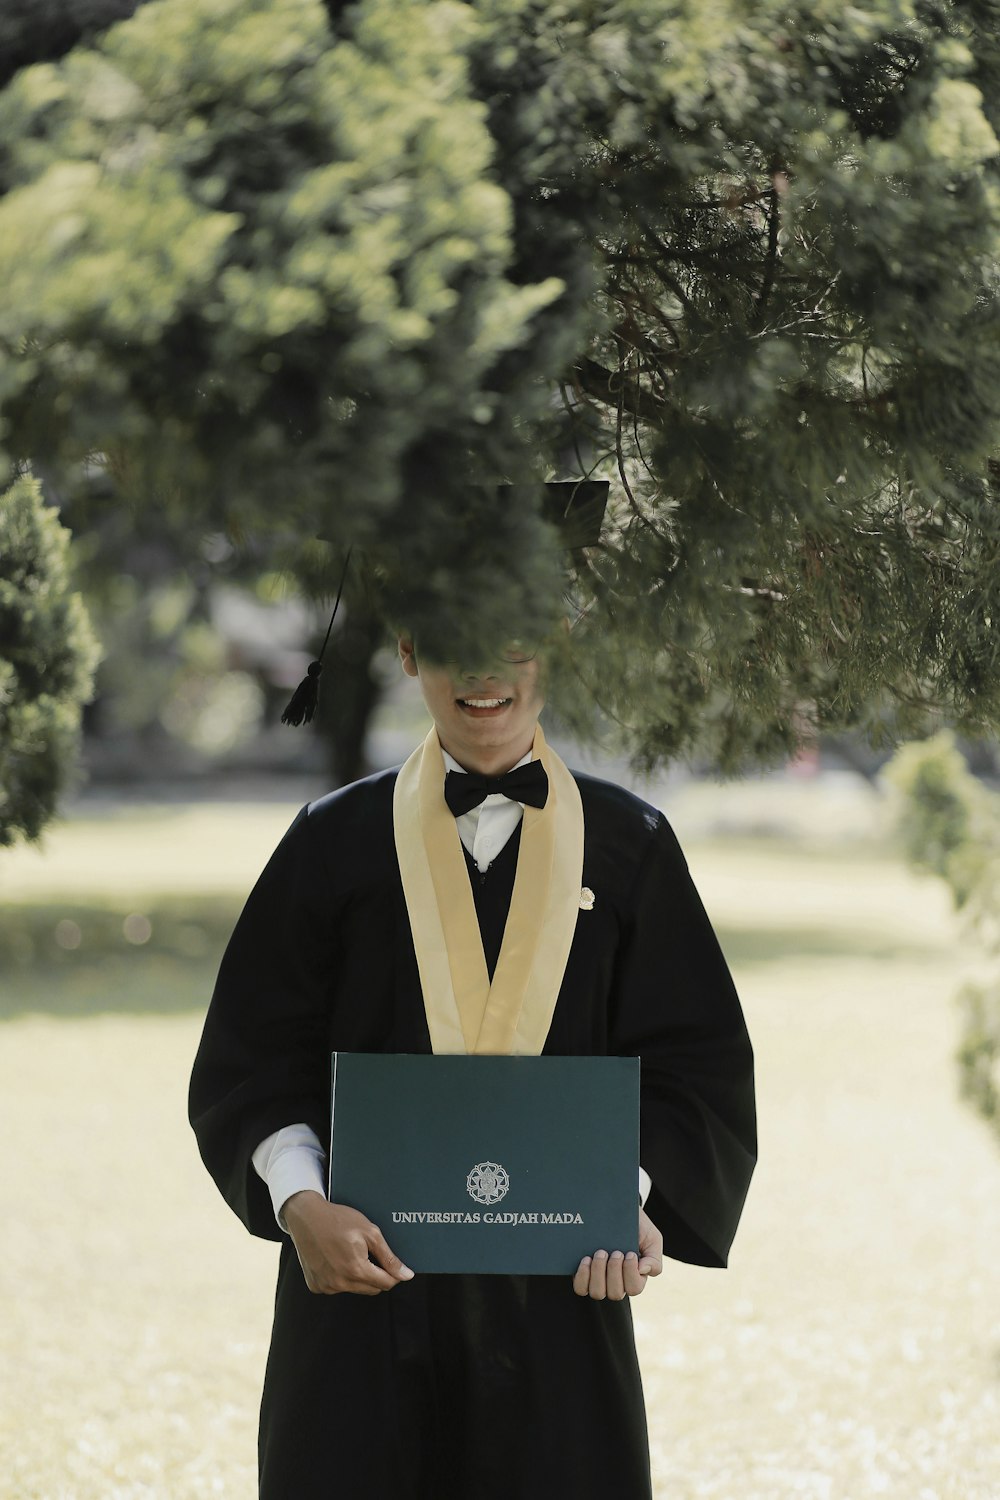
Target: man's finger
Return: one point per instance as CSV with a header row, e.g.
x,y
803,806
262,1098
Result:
x,y
363,1277
581,1281
650,1248
371,1279
385,1257
599,1276
615,1279
633,1278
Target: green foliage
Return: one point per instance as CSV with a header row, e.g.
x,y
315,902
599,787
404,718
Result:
x,y
942,801
950,825
979,1050
46,665
263,274
797,211
739,256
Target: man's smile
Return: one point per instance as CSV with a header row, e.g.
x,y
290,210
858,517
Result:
x,y
483,708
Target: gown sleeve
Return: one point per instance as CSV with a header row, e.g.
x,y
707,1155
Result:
x,y
263,1062
679,1012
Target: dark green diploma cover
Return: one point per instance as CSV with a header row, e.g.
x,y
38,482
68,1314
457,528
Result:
x,y
489,1164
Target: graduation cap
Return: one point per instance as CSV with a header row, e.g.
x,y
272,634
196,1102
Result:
x,y
574,506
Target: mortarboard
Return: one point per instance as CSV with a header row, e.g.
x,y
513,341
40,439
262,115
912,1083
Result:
x,y
574,506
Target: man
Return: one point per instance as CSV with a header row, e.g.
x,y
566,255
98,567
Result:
x,y
450,1387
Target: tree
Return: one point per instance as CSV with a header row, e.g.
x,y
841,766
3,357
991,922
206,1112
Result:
x,y
42,30
47,657
299,270
799,370
950,827
286,275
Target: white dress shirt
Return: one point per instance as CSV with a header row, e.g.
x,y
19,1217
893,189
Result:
x,y
292,1160
484,830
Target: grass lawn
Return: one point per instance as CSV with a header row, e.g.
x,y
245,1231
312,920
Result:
x,y
851,1350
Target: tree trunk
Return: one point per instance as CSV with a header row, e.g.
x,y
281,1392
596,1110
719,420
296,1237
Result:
x,y
350,691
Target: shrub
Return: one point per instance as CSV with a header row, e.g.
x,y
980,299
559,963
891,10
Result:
x,y
47,658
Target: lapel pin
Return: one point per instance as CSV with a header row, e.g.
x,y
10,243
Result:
x,y
586,899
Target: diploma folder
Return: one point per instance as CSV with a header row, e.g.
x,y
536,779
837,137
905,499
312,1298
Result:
x,y
516,1165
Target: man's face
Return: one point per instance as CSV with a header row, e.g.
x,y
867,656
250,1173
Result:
x,y
485,715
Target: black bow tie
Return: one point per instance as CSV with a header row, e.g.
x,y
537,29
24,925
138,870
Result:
x,y
464,790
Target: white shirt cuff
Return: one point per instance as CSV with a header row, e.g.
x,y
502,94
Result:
x,y
290,1161
645,1183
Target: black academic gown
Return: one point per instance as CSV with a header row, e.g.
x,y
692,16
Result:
x,y
469,1387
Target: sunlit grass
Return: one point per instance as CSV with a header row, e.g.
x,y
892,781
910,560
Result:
x,y
135,852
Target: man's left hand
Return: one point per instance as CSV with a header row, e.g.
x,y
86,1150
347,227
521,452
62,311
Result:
x,y
620,1275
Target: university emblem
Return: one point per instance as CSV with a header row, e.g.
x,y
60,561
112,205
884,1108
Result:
x,y
487,1182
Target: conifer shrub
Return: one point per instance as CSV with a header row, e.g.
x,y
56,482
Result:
x,y
47,659
950,826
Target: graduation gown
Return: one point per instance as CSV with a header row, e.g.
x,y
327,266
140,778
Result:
x,y
469,1386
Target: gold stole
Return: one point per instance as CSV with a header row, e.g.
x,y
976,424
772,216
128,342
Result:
x,y
465,1012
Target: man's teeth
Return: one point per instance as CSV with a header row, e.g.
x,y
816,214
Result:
x,y
483,702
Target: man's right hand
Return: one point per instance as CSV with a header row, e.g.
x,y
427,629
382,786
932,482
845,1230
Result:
x,y
333,1243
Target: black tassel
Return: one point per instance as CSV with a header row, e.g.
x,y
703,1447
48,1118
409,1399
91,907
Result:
x,y
302,703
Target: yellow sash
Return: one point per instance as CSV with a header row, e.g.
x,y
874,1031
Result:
x,y
465,1012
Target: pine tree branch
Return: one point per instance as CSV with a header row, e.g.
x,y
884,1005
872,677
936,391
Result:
x,y
612,389
636,297
771,262
664,276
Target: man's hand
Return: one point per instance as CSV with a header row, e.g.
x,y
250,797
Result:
x,y
618,1275
333,1243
